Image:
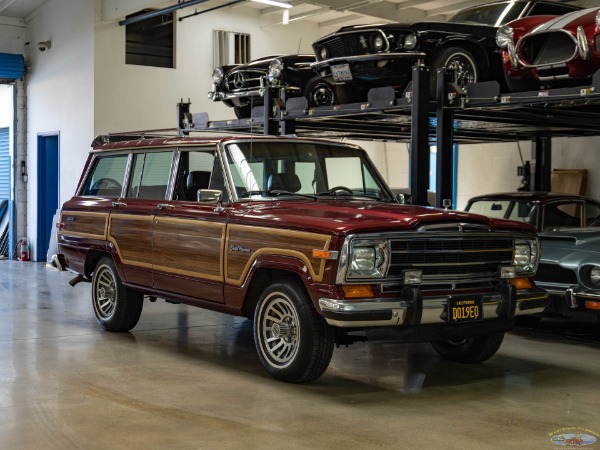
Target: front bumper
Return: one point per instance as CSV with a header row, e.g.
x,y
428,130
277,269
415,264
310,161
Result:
x,y
217,95
319,65
412,310
576,297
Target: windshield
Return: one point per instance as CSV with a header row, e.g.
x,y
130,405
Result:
x,y
504,209
262,169
496,14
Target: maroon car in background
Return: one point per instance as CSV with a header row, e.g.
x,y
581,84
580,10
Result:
x,y
550,51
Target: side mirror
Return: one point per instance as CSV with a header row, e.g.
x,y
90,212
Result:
x,y
210,196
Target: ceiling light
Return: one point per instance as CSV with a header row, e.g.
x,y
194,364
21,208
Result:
x,y
274,3
286,16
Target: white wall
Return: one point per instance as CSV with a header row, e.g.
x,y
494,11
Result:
x,y
60,92
13,35
488,168
6,106
129,97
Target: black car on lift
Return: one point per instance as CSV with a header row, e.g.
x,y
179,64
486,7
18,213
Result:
x,y
358,58
242,86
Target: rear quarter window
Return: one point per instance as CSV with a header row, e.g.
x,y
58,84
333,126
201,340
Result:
x,y
106,177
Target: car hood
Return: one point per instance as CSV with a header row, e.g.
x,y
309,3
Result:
x,y
571,247
446,27
342,217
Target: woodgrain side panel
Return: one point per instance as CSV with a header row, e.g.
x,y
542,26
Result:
x,y
132,238
246,243
189,247
84,224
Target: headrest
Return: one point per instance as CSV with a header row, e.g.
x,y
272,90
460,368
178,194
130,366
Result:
x,y
197,180
284,182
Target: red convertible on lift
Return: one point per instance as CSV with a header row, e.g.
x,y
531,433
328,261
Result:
x,y
542,51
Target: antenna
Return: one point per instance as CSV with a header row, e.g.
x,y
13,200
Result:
x,y
299,44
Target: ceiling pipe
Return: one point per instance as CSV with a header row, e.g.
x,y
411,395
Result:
x,y
159,12
197,13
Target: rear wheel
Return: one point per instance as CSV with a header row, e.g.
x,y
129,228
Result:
x,y
469,350
463,66
293,342
117,308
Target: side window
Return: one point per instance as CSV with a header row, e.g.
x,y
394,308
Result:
x,y
562,215
542,9
150,175
106,178
199,169
592,214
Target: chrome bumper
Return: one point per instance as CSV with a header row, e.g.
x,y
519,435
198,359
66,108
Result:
x,y
574,296
359,58
216,95
401,311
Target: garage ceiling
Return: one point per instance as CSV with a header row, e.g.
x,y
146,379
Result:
x,y
324,12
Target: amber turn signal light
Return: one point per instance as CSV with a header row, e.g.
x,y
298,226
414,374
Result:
x,y
590,304
358,291
522,283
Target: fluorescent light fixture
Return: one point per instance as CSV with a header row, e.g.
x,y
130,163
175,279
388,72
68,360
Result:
x,y
286,16
274,3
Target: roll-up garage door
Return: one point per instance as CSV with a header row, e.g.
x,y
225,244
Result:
x,y
4,189
12,67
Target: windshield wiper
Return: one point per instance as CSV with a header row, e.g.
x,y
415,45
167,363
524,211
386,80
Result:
x,y
276,193
344,194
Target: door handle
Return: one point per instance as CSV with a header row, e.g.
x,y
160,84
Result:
x,y
118,204
165,206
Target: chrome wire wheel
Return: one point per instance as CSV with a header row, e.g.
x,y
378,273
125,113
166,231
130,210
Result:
x,y
464,72
322,95
279,328
104,292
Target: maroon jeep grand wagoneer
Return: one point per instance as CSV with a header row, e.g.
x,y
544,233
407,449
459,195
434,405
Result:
x,y
301,236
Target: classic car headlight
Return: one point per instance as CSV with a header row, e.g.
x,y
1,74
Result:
x,y
323,53
525,255
275,70
217,75
595,276
368,258
377,42
504,36
410,41
598,19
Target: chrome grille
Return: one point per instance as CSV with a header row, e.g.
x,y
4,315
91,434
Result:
x,y
547,48
345,45
451,259
244,80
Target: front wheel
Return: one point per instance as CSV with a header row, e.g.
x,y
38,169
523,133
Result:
x,y
293,342
469,350
463,66
117,308
320,93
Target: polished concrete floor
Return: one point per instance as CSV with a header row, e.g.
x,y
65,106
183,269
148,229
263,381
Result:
x,y
186,378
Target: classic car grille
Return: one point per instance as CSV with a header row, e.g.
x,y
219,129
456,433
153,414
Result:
x,y
547,48
452,258
346,45
243,80
553,273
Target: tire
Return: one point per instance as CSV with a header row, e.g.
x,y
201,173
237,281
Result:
x,y
320,93
467,70
470,350
117,308
242,112
293,342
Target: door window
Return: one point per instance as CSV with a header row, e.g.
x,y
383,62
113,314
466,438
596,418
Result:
x,y
106,178
150,175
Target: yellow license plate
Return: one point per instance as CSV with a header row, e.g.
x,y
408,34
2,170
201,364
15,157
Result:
x,y
465,309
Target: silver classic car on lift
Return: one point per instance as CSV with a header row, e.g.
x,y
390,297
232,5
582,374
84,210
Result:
x,y
570,271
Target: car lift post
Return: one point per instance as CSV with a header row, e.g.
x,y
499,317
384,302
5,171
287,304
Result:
x,y
541,164
419,135
444,140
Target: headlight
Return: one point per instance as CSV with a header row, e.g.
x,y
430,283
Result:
x,y
377,42
598,19
410,41
525,256
368,258
595,276
504,36
275,70
217,75
323,53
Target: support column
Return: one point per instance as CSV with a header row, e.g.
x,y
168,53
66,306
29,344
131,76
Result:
x,y
19,162
445,142
419,136
541,164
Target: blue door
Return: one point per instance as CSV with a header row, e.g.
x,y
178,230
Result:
x,y
48,179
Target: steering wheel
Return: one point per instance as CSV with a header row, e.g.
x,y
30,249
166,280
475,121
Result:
x,y
106,183
333,190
